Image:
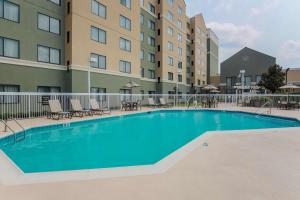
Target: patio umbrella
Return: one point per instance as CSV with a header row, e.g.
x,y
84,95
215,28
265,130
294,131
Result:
x,y
214,91
209,87
288,87
130,85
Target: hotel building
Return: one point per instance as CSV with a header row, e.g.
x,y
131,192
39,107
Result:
x,y
52,45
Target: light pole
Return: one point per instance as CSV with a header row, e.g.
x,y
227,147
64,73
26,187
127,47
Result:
x,y
242,73
92,61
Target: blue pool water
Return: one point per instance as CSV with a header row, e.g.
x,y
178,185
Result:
x,y
140,139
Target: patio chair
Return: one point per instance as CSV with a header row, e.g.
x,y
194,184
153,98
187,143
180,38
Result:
x,y
56,110
125,106
284,105
95,108
163,103
152,103
77,108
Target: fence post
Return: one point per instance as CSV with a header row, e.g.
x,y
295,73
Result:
x,y
29,109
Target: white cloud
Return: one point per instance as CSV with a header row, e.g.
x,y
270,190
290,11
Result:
x,y
231,34
224,5
265,7
290,50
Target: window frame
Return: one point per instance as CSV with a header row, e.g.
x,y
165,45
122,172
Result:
x,y
126,20
49,48
49,31
126,42
19,11
99,30
3,47
125,62
98,66
98,5
51,1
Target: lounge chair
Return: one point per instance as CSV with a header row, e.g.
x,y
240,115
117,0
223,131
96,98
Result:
x,y
95,108
56,110
77,108
152,103
163,103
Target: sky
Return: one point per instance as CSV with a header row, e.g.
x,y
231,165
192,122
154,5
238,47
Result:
x,y
268,26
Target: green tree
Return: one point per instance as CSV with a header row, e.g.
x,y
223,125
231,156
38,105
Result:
x,y
273,79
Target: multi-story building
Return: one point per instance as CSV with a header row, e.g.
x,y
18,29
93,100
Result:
x,y
198,52
54,45
212,57
252,64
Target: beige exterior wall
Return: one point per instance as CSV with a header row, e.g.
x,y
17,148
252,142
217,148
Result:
x,y
293,76
165,37
82,46
199,49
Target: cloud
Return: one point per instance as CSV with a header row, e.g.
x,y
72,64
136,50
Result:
x,y
265,7
235,35
224,5
290,50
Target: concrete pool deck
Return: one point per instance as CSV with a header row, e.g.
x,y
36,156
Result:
x,y
244,165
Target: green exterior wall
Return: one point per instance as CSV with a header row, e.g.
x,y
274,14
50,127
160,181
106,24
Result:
x,y
27,31
29,78
145,63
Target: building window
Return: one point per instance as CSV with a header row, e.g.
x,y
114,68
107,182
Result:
x,y
258,79
9,99
126,3
99,61
98,9
179,10
48,55
229,82
170,61
151,41
98,35
179,65
179,51
151,25
179,78
170,31
57,2
151,8
151,74
170,46
125,22
125,66
142,72
179,24
99,91
171,2
49,24
9,48
125,44
248,80
142,19
170,76
179,37
142,54
142,36
151,57
188,81
170,16
48,89
141,2
9,11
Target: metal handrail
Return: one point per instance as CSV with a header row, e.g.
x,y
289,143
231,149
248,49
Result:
x,y
263,106
6,126
15,120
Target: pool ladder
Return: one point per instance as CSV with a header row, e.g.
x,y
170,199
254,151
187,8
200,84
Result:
x,y
268,112
16,138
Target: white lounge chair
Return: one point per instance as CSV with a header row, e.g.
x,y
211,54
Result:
x,y
163,103
96,108
77,108
56,110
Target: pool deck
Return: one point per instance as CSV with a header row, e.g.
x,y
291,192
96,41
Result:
x,y
238,165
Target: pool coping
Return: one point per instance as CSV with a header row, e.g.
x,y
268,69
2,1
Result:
x,y
11,174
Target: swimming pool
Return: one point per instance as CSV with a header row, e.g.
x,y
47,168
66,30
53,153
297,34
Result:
x,y
130,140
